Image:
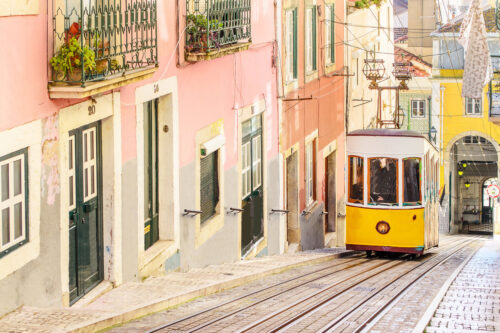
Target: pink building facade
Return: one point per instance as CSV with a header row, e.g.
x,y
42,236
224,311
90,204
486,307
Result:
x,y
163,156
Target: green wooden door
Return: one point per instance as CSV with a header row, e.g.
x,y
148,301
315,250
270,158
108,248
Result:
x,y
151,231
85,223
252,190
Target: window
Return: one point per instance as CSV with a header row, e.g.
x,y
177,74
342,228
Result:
x,y
291,44
310,172
417,108
356,178
310,41
383,181
411,182
473,106
13,201
330,34
209,185
474,139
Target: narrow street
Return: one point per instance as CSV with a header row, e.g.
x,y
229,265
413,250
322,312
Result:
x,y
352,294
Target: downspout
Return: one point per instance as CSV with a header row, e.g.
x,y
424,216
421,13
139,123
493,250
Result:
x,y
442,125
408,127
280,94
429,101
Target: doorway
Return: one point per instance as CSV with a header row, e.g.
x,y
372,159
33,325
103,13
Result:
x,y
85,216
252,219
151,202
331,193
292,199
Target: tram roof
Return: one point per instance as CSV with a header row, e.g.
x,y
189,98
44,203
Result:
x,y
386,132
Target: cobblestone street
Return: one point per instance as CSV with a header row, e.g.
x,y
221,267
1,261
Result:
x,y
310,292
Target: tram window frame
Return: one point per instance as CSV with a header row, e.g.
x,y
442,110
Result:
x,y
356,200
412,203
387,204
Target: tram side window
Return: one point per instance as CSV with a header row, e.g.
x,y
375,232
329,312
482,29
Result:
x,y
355,179
383,181
411,182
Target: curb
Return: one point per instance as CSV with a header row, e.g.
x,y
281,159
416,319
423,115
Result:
x,y
117,319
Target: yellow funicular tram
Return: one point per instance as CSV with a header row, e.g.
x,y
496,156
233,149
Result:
x,y
392,188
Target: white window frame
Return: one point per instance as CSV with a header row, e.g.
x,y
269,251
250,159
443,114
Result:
x,y
417,105
257,161
289,40
14,199
309,40
328,34
246,180
470,109
309,172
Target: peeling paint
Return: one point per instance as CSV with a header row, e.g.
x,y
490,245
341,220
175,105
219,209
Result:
x,y
50,158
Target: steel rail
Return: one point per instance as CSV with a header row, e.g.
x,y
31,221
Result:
x,y
172,323
314,308
356,258
331,325
373,319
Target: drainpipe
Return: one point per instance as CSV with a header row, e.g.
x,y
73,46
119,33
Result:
x,y
442,123
429,101
409,114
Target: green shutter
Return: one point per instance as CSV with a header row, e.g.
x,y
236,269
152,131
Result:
x,y
209,185
332,31
314,37
295,60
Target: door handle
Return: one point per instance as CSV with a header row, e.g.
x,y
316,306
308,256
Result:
x,y
83,220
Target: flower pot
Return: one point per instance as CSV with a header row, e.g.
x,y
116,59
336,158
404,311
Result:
x,y
101,66
75,75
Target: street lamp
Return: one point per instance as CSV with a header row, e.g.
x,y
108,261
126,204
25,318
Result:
x,y
467,184
460,172
374,70
464,165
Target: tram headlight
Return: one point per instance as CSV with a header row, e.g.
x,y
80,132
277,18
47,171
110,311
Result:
x,y
383,227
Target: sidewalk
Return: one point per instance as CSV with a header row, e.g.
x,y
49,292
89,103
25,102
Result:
x,y
133,300
472,302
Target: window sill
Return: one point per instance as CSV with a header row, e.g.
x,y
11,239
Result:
x,y
219,53
68,91
473,115
330,68
312,75
155,257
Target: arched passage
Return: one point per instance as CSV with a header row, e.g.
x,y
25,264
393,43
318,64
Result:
x,y
470,159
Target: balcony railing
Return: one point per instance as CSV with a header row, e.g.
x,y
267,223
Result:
x,y
96,40
212,25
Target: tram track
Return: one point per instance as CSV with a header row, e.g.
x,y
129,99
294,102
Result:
x,y
340,318
207,318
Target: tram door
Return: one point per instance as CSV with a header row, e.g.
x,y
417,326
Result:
x,y
85,224
331,192
252,190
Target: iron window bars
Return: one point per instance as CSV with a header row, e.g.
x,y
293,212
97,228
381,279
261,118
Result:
x,y
214,24
115,36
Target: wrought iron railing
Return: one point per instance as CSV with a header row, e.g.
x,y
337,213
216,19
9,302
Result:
x,y
214,24
99,39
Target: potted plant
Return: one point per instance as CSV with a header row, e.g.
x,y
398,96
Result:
x,y
67,63
201,33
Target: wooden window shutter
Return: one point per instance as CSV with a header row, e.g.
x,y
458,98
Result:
x,y
295,42
209,185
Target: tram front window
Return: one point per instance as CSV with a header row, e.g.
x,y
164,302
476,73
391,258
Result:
x,y
355,179
383,181
411,182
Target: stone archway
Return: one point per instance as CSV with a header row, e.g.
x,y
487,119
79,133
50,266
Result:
x,y
460,209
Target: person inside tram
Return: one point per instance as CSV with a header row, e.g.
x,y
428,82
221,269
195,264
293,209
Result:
x,y
383,175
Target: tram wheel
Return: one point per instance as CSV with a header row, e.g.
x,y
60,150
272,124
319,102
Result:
x,y
369,253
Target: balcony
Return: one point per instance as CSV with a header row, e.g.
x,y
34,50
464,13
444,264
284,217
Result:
x,y
215,28
100,45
